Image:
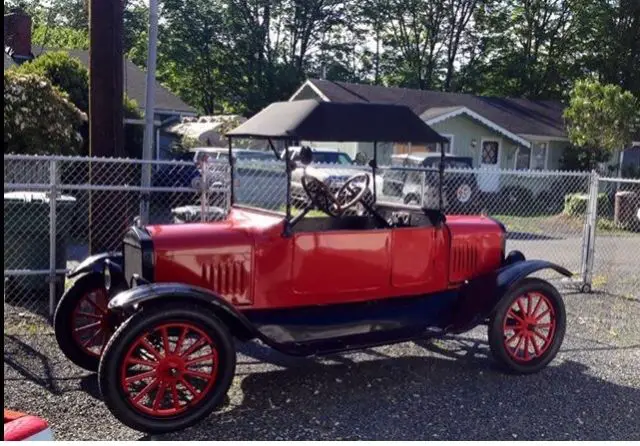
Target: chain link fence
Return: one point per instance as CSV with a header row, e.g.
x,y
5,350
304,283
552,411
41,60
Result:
x,y
548,215
616,242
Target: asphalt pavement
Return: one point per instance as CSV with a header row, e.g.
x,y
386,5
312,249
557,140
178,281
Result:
x,y
442,390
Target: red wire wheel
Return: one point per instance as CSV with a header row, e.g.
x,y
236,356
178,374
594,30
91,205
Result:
x,y
81,322
528,327
167,366
89,322
169,369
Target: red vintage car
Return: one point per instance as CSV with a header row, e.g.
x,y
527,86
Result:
x,y
158,320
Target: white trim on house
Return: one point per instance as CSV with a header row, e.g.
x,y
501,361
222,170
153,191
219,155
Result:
x,y
543,138
492,125
167,111
313,87
452,138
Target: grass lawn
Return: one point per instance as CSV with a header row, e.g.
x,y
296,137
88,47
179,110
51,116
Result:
x,y
560,223
539,224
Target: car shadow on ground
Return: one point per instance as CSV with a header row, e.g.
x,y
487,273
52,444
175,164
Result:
x,y
443,389
461,375
38,370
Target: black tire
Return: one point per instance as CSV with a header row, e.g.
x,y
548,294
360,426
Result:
x,y
123,340
63,321
497,332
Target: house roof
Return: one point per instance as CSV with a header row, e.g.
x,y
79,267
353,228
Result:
x,y
135,81
318,120
518,116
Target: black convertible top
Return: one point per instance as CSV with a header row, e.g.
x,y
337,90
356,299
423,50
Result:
x,y
315,120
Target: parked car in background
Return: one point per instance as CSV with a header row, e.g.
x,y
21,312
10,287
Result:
x,y
190,176
332,167
460,189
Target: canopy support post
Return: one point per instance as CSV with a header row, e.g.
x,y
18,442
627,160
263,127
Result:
x,y
273,149
441,174
231,174
287,161
374,167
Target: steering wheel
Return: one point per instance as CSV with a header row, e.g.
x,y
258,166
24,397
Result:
x,y
321,195
351,192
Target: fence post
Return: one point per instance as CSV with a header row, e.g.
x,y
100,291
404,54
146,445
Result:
x,y
53,198
204,199
145,182
589,234
424,180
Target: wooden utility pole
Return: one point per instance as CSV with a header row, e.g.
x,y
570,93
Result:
x,y
106,119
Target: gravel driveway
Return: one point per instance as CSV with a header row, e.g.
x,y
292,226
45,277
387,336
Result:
x,y
445,390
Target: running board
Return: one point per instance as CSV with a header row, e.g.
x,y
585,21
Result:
x,y
319,347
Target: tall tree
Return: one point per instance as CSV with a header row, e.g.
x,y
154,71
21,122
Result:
x,y
601,119
458,16
415,41
530,48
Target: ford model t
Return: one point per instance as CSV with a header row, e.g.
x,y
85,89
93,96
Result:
x,y
159,320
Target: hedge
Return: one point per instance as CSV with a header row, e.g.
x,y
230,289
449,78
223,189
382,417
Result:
x,y
575,205
39,118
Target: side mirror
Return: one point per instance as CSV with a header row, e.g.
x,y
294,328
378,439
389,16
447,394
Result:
x,y
306,156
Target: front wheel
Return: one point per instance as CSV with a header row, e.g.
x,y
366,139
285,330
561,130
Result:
x,y
528,326
81,322
167,367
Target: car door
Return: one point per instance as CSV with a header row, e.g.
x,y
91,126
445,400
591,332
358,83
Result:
x,y
340,265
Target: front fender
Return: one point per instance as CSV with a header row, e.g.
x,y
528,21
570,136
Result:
x,y
480,296
96,262
132,299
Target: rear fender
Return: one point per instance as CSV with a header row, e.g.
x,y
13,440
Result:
x,y
479,297
96,264
135,298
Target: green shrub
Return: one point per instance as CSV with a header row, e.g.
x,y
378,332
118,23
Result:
x,y
575,205
39,118
65,72
69,75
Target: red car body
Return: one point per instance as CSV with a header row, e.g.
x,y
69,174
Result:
x,y
246,260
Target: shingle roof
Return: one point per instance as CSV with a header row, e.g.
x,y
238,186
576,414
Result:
x,y
520,116
136,83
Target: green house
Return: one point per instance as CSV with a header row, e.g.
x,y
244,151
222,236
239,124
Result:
x,y
501,133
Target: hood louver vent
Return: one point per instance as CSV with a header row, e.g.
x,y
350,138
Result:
x,y
229,279
464,261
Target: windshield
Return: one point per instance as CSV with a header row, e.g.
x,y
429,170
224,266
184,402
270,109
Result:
x,y
254,155
331,158
449,163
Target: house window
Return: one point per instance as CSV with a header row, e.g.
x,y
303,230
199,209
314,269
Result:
x,y
534,158
539,158
523,158
489,152
448,146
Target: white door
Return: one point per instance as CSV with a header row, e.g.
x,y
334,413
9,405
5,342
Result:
x,y
488,177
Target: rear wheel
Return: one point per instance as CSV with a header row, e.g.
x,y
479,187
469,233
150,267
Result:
x,y
81,321
167,367
527,329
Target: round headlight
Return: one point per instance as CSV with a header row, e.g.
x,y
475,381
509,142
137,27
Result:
x,y
107,277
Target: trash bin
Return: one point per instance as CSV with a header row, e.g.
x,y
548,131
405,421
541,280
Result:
x,y
627,205
26,240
